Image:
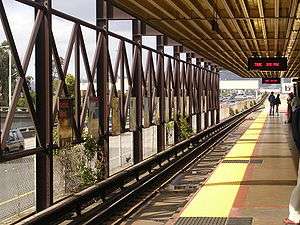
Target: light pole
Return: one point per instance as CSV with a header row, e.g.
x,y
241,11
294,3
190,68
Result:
x,y
9,73
9,77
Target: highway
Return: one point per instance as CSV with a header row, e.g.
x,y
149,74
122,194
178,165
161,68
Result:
x,y
18,176
17,184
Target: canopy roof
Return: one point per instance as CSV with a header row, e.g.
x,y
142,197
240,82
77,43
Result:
x,y
246,28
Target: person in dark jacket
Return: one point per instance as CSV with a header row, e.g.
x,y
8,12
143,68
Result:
x,y
294,204
272,103
277,103
289,109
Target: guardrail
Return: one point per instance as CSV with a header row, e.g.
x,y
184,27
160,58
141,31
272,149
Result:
x,y
5,109
27,132
104,189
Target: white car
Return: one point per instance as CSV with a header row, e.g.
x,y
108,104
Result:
x,y
15,141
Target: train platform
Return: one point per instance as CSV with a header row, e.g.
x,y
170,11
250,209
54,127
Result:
x,y
253,183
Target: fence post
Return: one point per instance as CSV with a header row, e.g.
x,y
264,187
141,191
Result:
x,y
102,87
206,95
213,94
43,85
218,95
137,92
177,92
161,94
199,94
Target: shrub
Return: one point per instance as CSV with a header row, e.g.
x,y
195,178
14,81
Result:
x,y
185,129
82,163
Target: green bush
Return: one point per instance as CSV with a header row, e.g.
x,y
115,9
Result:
x,y
185,129
83,163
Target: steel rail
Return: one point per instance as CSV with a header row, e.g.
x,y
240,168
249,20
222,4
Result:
x,y
164,176
166,161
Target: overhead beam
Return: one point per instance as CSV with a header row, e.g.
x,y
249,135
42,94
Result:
x,y
264,29
250,27
237,27
197,27
149,31
175,33
293,10
276,14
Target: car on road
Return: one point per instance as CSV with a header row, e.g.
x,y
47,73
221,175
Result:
x,y
15,141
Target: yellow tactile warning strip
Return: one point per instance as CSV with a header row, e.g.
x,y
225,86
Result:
x,y
216,197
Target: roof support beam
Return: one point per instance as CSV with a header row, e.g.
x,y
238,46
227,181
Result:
x,y
196,26
276,13
291,22
264,29
204,48
246,14
199,13
237,27
245,29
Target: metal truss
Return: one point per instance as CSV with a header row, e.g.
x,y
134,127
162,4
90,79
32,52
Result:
x,y
178,87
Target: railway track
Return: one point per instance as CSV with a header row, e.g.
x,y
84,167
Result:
x,y
174,195
117,198
180,185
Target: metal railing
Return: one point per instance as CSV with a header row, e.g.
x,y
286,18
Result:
x,y
177,87
168,78
163,160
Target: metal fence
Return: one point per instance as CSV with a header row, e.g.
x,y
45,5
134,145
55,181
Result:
x,y
159,91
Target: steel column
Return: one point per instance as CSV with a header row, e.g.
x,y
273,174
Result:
x,y
137,92
161,93
102,88
189,84
43,86
199,94
206,95
177,92
77,86
213,105
218,96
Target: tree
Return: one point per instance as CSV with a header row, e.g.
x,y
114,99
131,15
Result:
x,y
70,82
4,70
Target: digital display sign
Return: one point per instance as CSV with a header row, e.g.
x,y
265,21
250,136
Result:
x,y
267,64
271,80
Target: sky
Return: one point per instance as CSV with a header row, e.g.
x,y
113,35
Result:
x,y
21,19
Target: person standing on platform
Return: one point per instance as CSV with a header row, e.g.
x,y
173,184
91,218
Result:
x,y
272,103
294,205
277,103
289,109
296,120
